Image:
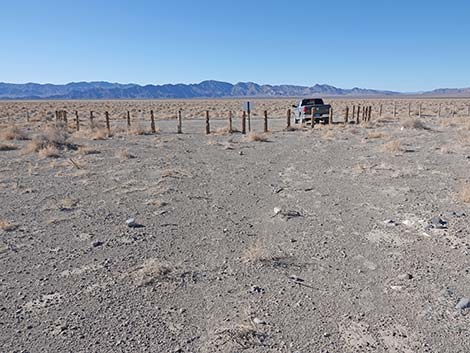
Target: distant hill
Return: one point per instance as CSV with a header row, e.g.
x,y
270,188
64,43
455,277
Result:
x,y
205,89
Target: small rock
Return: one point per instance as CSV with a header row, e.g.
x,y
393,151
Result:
x,y
405,276
296,279
258,321
277,210
326,334
97,243
256,289
390,222
463,304
438,223
131,222
241,153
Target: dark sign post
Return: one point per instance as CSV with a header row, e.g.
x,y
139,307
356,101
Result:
x,y
248,106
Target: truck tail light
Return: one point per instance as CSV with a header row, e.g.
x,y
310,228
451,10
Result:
x,y
305,109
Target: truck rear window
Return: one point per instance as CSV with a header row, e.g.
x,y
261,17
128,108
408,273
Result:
x,y
312,101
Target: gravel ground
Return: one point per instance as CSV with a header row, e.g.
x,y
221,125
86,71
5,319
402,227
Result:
x,y
313,241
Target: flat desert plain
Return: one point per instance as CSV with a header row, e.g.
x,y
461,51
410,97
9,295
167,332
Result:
x,y
341,238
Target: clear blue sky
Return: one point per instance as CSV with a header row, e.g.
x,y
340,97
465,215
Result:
x,y
401,45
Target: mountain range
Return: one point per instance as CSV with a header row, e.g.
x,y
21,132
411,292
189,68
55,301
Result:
x,y
205,89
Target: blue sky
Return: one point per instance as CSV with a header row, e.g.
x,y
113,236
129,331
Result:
x,y
384,44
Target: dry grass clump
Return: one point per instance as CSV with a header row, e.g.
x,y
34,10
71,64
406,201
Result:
x,y
49,142
393,147
7,147
258,253
99,133
67,204
13,132
7,226
465,193
413,123
149,272
328,134
86,150
256,137
461,121
376,135
138,130
49,152
124,154
245,336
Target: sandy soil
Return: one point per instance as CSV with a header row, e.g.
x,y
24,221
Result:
x,y
313,241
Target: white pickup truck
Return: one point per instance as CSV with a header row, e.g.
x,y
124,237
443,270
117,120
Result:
x,y
306,106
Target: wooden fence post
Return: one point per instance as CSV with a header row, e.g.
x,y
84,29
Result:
x,y
208,126
353,115
330,116
420,110
152,122
92,125
453,111
265,121
409,110
358,114
312,123
77,121
128,119
230,126
27,116
244,122
394,109
370,113
346,117
439,111
108,126
380,110
288,117
179,123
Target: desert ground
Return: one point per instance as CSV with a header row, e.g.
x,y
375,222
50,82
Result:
x,y
341,238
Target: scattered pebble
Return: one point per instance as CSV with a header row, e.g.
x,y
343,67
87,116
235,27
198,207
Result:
x,y
457,214
405,276
296,279
463,304
277,210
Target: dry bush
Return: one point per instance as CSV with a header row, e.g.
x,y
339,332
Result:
x,y
393,147
245,336
413,123
99,134
49,152
7,147
13,132
224,131
149,272
67,204
460,121
51,138
376,135
124,154
86,150
7,226
258,253
328,134
141,131
465,193
256,137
